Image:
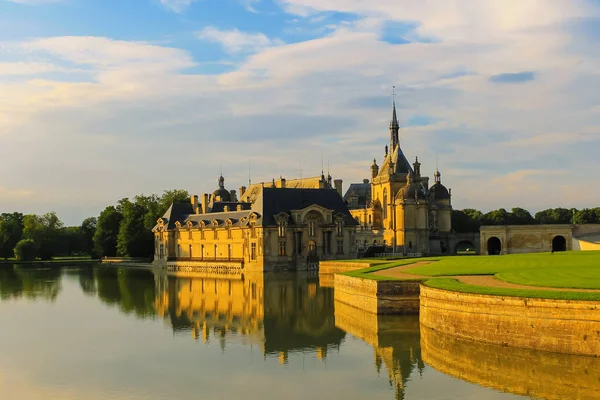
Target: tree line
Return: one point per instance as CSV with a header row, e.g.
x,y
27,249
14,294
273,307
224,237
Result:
x,y
470,220
120,230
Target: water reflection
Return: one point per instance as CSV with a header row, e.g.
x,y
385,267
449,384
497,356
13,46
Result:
x,y
31,283
395,342
538,374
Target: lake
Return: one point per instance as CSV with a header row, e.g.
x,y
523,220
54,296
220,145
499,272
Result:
x,y
115,333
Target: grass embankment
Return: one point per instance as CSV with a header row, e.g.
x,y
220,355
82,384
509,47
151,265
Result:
x,y
568,270
456,286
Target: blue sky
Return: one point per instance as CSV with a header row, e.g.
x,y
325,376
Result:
x,y
105,99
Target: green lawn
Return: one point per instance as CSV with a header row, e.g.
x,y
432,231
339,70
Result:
x,y
454,285
580,270
490,265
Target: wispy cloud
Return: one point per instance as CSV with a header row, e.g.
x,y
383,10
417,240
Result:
x,y
177,5
235,41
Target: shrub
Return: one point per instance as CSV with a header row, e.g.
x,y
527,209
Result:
x,y
25,250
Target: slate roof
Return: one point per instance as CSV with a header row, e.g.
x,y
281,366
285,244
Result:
x,y
363,190
176,212
440,191
401,164
270,202
274,201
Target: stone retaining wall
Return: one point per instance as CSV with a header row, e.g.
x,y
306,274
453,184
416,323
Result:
x,y
377,297
561,326
335,267
532,373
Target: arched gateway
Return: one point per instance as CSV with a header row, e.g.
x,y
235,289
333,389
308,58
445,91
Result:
x,y
494,246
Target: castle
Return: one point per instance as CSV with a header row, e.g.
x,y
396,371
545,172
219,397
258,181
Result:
x,y
293,224
397,208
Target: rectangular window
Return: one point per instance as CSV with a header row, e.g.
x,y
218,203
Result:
x,y
228,233
178,234
229,251
311,228
216,250
340,247
201,235
282,246
216,234
252,231
299,243
161,251
282,229
190,250
340,228
178,251
202,251
253,251
190,235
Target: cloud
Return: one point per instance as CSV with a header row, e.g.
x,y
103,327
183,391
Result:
x,y
177,5
235,41
518,77
142,110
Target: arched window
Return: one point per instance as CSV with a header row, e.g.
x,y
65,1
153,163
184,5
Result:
x,y
385,195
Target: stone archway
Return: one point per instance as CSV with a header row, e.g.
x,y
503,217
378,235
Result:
x,y
559,243
465,247
494,246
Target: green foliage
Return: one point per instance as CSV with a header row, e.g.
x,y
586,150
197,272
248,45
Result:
x,y
134,239
11,231
467,220
107,231
555,216
44,230
87,231
587,216
25,250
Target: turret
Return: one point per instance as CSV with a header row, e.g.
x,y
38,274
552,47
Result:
x,y
417,167
374,169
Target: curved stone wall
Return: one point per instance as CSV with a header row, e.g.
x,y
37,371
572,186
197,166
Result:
x,y
537,374
561,326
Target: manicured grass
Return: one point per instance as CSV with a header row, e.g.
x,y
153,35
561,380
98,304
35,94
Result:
x,y
491,265
576,270
454,285
574,277
366,272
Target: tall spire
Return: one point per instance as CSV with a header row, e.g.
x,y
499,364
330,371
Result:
x,y
394,126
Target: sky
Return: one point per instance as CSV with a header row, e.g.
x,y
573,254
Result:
x,y
106,99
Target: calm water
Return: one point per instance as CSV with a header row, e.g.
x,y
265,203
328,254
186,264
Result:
x,y
109,333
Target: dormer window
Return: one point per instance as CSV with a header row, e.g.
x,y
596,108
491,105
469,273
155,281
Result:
x,y
282,228
339,227
252,229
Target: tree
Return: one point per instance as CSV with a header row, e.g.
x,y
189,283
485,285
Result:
x,y
496,217
88,229
11,231
587,216
555,216
520,216
467,220
107,231
134,239
25,250
44,230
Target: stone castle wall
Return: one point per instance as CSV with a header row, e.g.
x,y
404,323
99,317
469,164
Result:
x,y
536,374
377,297
561,326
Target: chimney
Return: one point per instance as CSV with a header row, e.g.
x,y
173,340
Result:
x,y
239,207
226,208
195,203
338,186
233,196
280,183
365,181
205,203
242,191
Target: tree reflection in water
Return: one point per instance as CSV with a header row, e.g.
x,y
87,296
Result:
x,y
29,282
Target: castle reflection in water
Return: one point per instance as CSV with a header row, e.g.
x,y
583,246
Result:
x,y
280,313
